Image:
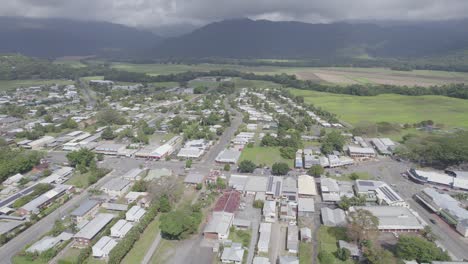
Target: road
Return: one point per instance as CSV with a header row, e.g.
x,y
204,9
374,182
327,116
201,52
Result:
x,y
35,231
390,171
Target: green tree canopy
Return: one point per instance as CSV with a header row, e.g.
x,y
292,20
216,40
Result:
x,y
247,166
280,168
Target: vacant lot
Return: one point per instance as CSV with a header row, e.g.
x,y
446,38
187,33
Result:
x,y
382,76
328,241
391,108
264,155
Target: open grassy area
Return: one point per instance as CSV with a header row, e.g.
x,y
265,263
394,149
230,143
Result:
x,y
240,236
71,254
305,253
25,260
264,155
70,63
164,252
137,253
328,241
6,85
391,108
79,180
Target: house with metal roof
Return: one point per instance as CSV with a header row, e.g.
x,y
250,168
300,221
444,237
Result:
x,y
361,152
305,207
289,190
263,244
103,247
233,254
92,228
133,174
194,178
121,228
48,242
230,156
394,218
292,242
269,211
306,234
353,249
42,201
135,214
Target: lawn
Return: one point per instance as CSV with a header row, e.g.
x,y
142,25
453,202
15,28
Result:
x,y
328,241
71,254
164,252
305,253
79,180
264,155
391,108
240,236
137,253
13,84
24,260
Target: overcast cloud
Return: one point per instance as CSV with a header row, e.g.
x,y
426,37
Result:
x,y
157,13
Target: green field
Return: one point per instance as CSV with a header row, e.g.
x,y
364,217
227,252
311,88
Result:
x,y
264,155
328,241
13,84
136,254
71,63
393,108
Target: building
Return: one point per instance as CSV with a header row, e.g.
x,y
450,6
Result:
x,y
48,242
260,260
432,177
306,234
446,207
269,211
381,147
42,201
330,190
39,143
289,189
115,207
190,153
87,210
116,187
305,207
361,152
58,176
274,187
132,197
228,202
289,259
379,192
288,211
394,218
133,174
103,247
333,217
13,180
298,161
218,225
229,156
233,254
264,238
91,229
353,249
121,228
306,186
194,178
292,243
135,214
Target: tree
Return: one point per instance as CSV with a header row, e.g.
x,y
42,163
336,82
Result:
x,y
247,166
69,123
227,167
377,255
199,186
316,171
188,163
220,183
110,117
82,159
164,204
428,234
419,249
288,152
345,203
326,257
177,224
354,176
258,204
343,254
108,134
333,141
100,157
280,168
363,225
140,186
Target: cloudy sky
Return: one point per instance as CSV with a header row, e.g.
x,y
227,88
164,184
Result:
x,y
157,13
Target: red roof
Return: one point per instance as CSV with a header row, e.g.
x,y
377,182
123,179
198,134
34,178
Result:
x,y
228,202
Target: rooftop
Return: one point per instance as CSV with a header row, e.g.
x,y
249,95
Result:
x,y
93,227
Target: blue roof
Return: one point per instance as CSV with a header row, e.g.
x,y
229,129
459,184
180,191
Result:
x,y
84,208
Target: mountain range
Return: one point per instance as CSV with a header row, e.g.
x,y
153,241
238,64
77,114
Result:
x,y
238,38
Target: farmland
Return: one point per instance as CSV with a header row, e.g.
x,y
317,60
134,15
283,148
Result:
x,y
391,108
6,85
334,75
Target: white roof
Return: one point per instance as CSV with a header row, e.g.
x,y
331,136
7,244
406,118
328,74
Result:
x,y
13,179
135,195
104,246
394,217
353,149
121,227
94,226
436,177
135,213
219,223
190,152
306,185
305,205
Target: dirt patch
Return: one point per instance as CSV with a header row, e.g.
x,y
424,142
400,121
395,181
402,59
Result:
x,y
333,77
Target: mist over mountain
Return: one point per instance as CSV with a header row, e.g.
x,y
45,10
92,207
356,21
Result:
x,y
245,38
54,37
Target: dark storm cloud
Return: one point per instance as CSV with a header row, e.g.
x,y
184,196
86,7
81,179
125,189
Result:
x,y
154,13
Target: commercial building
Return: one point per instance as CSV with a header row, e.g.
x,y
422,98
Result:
x,y
381,147
432,177
39,143
274,187
91,229
305,207
121,228
394,218
379,192
116,187
218,225
194,178
103,247
306,186
228,202
135,214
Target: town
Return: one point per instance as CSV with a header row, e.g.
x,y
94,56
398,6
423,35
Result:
x,y
212,170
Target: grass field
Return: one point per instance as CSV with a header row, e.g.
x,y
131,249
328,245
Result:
x,y
391,108
264,155
305,253
6,85
328,241
136,254
71,63
79,180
